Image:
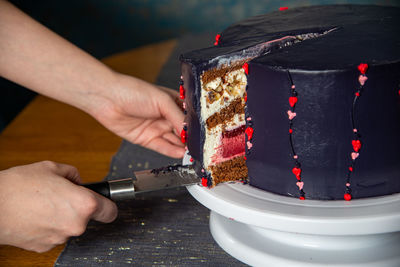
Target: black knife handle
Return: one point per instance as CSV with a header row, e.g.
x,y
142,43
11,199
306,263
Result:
x,y
114,189
102,188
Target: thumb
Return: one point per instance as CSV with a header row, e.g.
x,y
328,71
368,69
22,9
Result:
x,y
106,210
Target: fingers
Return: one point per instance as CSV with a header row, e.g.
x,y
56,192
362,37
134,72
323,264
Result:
x,y
104,210
173,139
101,208
97,207
170,91
172,112
158,136
67,171
174,94
166,148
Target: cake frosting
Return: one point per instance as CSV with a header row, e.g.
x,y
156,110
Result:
x,y
302,102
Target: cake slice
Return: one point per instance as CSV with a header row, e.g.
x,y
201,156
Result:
x,y
223,92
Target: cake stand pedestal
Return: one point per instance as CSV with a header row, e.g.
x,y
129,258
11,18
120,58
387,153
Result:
x,y
265,229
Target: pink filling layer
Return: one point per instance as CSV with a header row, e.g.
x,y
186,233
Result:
x,y
232,145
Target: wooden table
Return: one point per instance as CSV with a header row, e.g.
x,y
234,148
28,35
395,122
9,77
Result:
x,y
49,130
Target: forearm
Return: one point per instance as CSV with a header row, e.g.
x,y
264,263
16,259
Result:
x,y
34,57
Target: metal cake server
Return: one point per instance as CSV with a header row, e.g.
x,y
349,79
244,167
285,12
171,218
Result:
x,y
146,181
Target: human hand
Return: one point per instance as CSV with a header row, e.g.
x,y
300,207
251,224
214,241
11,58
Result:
x,y
143,114
41,206
133,109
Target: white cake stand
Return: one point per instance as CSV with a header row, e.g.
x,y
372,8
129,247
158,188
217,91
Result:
x,y
265,229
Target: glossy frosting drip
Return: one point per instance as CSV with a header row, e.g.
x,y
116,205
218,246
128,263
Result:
x,y
321,73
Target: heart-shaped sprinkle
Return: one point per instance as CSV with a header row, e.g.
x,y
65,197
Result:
x,y
249,145
363,68
362,79
347,184
300,185
347,197
249,131
292,101
217,37
354,155
181,92
246,68
183,136
356,145
291,114
204,182
297,171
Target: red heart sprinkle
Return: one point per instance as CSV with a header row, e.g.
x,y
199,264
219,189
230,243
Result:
x,y
297,171
204,182
302,198
292,101
351,169
183,136
363,68
283,8
181,92
356,145
249,131
347,197
246,68
217,37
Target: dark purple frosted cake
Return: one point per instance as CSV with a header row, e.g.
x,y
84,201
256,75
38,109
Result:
x,y
303,102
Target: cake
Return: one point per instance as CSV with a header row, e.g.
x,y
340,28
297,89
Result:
x,y
301,102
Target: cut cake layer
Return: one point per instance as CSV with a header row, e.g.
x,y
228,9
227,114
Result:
x,y
222,103
231,170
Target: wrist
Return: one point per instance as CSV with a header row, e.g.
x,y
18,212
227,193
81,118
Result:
x,y
100,94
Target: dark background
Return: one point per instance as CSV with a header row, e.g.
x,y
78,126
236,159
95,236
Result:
x,y
105,27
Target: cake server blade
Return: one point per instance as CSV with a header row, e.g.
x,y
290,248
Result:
x,y
146,181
